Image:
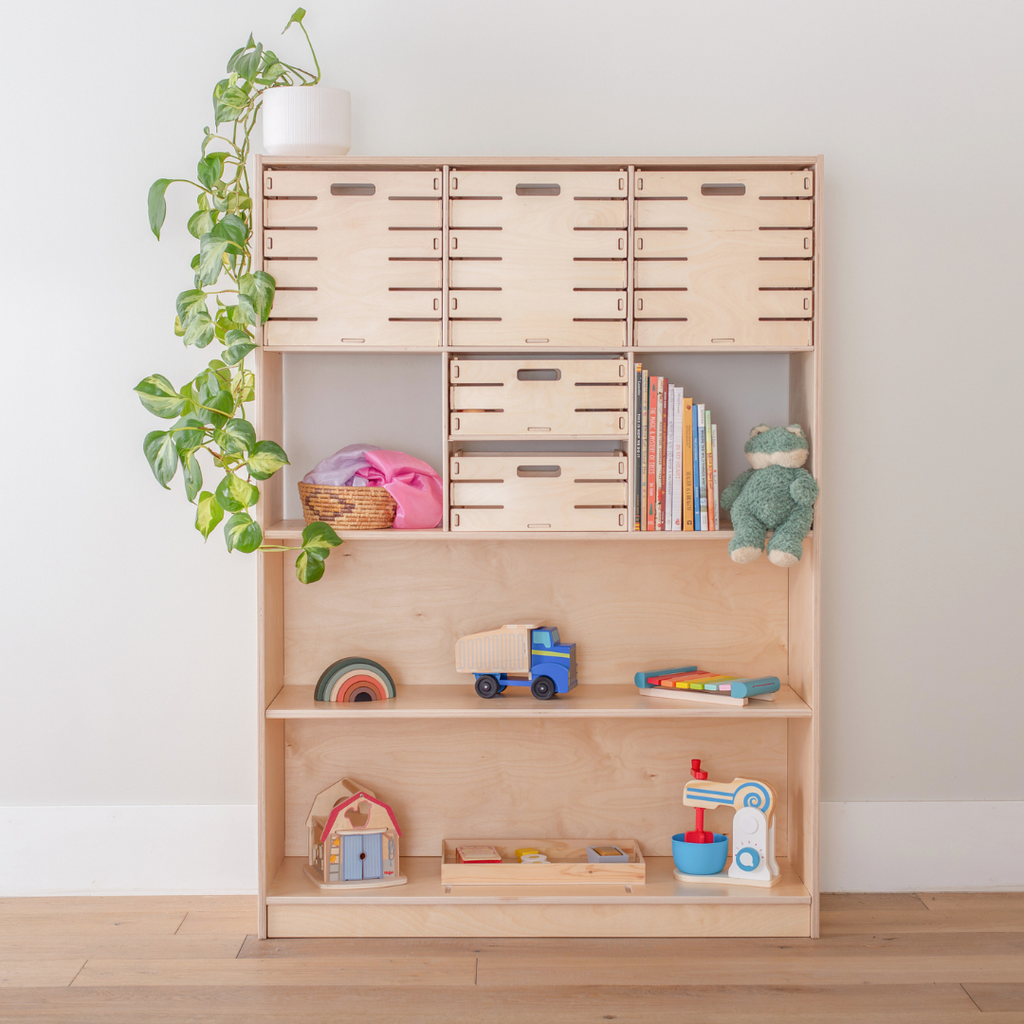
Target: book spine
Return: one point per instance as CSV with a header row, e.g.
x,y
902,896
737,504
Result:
x,y
714,473
687,459
710,470
695,464
659,469
652,452
669,427
642,473
638,406
701,469
677,459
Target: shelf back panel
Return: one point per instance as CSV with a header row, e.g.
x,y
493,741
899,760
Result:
x,y
627,607
605,777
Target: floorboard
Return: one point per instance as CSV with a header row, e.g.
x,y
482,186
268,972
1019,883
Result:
x,y
931,958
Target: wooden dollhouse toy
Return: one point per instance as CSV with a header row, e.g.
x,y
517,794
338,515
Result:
x,y
353,839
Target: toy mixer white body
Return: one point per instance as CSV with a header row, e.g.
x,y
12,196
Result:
x,y
753,829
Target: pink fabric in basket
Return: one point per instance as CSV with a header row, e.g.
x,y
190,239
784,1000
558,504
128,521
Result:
x,y
416,488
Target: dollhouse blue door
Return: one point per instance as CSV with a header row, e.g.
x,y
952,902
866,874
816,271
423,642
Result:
x,y
361,857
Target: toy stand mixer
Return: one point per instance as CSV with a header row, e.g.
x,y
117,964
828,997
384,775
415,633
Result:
x,y
700,856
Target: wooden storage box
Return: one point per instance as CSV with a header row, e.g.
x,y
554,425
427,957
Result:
x,y
534,492
356,256
538,258
567,863
723,257
522,398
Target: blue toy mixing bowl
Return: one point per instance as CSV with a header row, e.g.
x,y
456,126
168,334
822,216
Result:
x,y
700,858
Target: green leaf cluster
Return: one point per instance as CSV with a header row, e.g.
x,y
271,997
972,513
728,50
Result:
x,y
227,300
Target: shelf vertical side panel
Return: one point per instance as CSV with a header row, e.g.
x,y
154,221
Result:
x,y
271,733
805,398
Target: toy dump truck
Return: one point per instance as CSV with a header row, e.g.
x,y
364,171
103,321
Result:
x,y
532,656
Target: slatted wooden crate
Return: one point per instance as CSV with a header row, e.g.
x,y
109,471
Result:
x,y
539,398
539,492
723,258
356,256
538,258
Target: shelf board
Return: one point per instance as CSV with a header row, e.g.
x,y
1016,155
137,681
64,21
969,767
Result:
x,y
291,530
583,352
459,700
291,885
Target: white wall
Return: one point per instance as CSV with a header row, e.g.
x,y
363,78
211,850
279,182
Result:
x,y
128,646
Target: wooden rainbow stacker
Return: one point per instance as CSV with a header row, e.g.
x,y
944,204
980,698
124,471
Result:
x,y
690,683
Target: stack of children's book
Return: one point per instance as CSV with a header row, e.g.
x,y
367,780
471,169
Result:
x,y
675,458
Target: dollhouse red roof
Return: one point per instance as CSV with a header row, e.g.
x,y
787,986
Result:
x,y
335,811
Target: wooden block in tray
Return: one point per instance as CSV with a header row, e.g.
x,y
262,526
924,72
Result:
x,y
567,863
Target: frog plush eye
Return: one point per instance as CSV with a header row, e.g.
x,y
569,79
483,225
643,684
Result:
x,y
793,428
759,429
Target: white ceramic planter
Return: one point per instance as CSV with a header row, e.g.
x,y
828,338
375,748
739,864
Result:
x,y
307,120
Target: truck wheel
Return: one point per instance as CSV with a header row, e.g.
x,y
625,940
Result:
x,y
543,688
487,687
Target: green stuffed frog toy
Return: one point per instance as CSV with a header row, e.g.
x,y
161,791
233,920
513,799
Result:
x,y
775,494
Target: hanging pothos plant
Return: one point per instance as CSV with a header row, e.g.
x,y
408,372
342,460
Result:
x,y
210,409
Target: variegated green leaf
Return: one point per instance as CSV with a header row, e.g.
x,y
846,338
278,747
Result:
x,y
162,455
157,394
266,459
236,436
208,514
309,567
242,533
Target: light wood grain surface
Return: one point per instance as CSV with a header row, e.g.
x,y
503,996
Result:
x,y
905,959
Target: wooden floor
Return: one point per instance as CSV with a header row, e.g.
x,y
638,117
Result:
x,y
934,958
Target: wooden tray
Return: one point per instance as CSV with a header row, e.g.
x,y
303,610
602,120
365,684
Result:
x,y
568,864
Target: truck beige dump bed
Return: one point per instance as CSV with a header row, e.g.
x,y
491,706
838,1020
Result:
x,y
497,650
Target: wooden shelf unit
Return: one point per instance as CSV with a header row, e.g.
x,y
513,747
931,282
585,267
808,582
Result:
x,y
601,760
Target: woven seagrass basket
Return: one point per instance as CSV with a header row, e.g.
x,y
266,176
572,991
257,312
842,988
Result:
x,y
347,508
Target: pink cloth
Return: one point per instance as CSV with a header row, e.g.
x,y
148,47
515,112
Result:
x,y
416,488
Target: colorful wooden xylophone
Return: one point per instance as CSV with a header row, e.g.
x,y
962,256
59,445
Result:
x,y
690,682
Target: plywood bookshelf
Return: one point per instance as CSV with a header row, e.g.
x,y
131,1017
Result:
x,y
601,760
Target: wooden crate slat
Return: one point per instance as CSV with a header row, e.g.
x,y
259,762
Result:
x,y
584,334
766,333
586,184
316,245
770,184
539,220
652,305
586,273
550,306
313,274
746,273
724,213
488,243
684,244
325,334
324,302
387,184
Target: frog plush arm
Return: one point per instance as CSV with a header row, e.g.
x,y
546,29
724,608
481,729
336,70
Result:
x,y
804,490
732,492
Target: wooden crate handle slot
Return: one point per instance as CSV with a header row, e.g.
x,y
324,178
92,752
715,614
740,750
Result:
x,y
546,373
723,189
539,471
353,189
538,190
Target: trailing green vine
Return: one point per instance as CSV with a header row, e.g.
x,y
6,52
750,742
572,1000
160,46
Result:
x,y
210,410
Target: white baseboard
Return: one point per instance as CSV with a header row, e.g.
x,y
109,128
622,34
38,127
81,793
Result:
x,y
954,846
199,849
65,851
